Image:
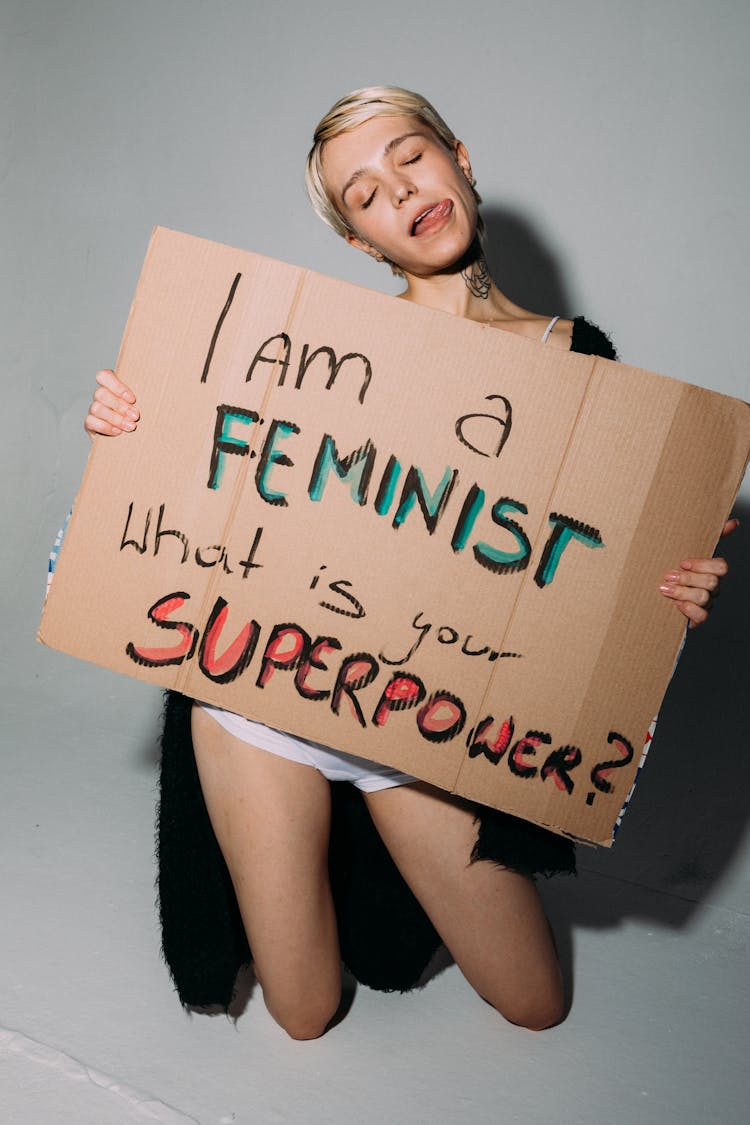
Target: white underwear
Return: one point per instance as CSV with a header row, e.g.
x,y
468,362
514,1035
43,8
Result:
x,y
333,764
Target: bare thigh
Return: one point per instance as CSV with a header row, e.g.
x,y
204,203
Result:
x,y
490,918
271,818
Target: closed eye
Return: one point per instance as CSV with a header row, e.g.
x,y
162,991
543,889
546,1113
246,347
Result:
x,y
414,159
369,200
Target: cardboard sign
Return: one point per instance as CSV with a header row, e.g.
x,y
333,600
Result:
x,y
400,533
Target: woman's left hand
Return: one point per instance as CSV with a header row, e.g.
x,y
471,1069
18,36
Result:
x,y
695,584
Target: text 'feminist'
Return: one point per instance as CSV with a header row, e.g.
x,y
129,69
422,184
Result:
x,y
356,470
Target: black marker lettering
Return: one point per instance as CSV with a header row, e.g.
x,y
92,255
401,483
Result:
x,y
599,772
238,653
359,609
260,357
356,672
125,542
505,422
249,564
334,366
169,531
219,323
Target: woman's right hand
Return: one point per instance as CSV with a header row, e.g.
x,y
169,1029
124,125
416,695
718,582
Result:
x,y
113,409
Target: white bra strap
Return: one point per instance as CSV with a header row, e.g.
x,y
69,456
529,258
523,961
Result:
x,y
549,328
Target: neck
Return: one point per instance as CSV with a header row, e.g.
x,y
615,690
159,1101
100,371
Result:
x,y
467,289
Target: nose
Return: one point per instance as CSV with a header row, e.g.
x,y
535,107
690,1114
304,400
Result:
x,y
401,190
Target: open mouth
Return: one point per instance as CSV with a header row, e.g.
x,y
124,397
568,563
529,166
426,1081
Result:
x,y
432,218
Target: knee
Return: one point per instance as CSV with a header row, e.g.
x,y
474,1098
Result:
x,y
308,1021
538,1017
534,1011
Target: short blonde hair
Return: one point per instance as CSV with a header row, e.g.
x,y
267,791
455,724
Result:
x,y
351,111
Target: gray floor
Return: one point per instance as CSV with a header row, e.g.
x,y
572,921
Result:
x,y
654,937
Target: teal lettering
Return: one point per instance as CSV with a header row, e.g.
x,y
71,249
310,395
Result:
x,y
432,504
504,562
564,529
355,469
225,442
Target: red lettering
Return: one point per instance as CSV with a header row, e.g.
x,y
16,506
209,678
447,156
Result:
x,y
601,772
285,649
238,653
401,693
558,766
321,645
493,751
355,673
159,614
442,717
526,745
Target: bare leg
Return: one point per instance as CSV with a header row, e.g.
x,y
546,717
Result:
x,y
272,819
491,919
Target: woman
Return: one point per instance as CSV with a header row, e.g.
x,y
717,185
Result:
x,y
388,174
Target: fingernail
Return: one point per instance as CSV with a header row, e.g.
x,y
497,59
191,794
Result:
x,y
667,589
133,413
127,424
673,576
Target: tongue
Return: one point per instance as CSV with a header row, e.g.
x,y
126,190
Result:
x,y
433,217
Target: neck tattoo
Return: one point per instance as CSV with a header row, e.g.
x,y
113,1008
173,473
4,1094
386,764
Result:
x,y
477,278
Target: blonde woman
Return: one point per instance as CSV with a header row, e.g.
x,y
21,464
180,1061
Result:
x,y
388,175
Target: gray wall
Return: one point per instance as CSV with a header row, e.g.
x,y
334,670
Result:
x,y
610,144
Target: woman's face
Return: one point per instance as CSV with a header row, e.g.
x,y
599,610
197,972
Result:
x,y
403,192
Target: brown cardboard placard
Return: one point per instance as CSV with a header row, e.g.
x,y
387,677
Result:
x,y
393,531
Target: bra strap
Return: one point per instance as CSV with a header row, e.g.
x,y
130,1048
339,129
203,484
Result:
x,y
549,328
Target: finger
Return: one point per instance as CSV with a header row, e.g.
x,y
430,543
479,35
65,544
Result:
x,y
695,614
107,378
93,425
705,566
103,419
693,579
113,413
731,525
117,403
691,595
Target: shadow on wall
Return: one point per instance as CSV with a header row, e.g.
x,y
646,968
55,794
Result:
x,y
522,265
689,817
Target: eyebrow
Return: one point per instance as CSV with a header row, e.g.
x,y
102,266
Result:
x,y
386,151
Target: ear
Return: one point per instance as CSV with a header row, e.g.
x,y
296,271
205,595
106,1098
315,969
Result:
x,y
366,247
461,157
